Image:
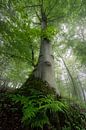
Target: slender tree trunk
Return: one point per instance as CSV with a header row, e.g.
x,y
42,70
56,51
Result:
x,y
76,92
45,66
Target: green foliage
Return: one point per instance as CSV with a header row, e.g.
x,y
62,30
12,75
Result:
x,y
66,128
19,36
50,32
76,118
35,108
39,110
20,33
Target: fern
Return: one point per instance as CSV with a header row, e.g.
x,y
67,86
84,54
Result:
x,y
35,108
40,120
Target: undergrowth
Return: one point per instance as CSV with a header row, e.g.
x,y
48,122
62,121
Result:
x,y
40,109
35,109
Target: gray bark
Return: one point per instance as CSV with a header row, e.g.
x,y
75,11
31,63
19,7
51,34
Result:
x,y
45,67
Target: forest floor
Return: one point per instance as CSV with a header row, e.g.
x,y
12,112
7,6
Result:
x,y
11,112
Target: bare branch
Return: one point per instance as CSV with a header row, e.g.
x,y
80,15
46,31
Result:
x,y
30,6
52,8
51,20
37,15
15,56
36,23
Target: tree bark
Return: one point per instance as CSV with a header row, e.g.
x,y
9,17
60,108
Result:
x,y
45,66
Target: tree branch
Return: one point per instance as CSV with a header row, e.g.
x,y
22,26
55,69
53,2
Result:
x,y
37,15
14,56
51,8
51,20
32,56
30,6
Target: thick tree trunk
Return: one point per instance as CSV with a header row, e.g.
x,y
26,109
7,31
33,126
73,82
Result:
x,y
45,66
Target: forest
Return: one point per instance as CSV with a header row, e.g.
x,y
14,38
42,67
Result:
x,y
42,64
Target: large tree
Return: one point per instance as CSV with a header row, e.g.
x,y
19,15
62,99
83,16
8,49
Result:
x,y
47,10
47,14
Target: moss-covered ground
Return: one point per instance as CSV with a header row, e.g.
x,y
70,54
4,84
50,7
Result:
x,y
35,106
